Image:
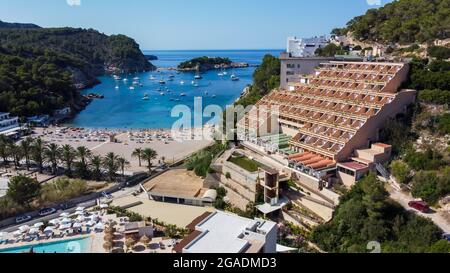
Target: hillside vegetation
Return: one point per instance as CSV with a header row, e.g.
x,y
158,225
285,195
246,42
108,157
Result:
x,y
41,69
402,21
366,214
204,63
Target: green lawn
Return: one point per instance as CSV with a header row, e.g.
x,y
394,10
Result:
x,y
245,163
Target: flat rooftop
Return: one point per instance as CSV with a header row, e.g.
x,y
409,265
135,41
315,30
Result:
x,y
353,166
221,233
176,183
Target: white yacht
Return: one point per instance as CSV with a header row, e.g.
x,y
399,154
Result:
x,y
234,77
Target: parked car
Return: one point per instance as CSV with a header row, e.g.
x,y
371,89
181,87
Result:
x,y
446,236
420,206
46,211
22,219
107,196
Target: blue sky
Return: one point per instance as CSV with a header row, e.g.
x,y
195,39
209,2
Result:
x,y
193,24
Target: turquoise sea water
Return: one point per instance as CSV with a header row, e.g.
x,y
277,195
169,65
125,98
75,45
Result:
x,y
67,246
123,108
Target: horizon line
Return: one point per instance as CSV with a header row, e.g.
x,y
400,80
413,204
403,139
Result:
x,y
231,49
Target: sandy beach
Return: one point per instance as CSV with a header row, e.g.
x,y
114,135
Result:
x,y
124,142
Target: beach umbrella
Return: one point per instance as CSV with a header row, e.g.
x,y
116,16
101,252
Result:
x,y
3,235
17,233
104,206
80,212
65,226
80,209
54,222
81,218
24,228
66,220
99,226
38,225
64,215
77,225
90,224
107,246
48,229
33,231
145,240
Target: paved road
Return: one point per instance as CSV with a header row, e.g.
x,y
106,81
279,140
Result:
x,y
404,198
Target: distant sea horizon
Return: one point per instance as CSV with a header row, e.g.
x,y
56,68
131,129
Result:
x,y
123,108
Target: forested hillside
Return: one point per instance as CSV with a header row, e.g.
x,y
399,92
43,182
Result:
x,y
41,69
402,21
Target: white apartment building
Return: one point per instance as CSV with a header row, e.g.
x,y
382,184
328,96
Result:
x,y
305,47
222,232
8,125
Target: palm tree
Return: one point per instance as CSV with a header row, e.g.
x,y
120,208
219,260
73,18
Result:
x,y
38,153
111,165
52,153
122,164
26,147
83,154
96,163
138,153
4,151
149,155
68,155
16,153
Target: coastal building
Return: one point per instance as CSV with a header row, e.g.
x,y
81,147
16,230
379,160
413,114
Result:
x,y
221,232
137,229
40,121
9,126
180,187
248,181
293,67
332,116
305,47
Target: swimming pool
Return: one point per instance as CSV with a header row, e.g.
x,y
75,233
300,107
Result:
x,y
80,245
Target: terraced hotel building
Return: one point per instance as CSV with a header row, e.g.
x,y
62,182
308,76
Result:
x,y
328,122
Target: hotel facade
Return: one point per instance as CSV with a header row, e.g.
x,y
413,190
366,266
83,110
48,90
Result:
x,y
333,117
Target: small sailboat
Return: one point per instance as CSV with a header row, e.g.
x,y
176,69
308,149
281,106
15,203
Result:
x,y
146,97
162,81
220,74
182,95
234,77
213,96
162,94
125,80
225,73
182,82
152,78
132,88
117,78
197,75
117,87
